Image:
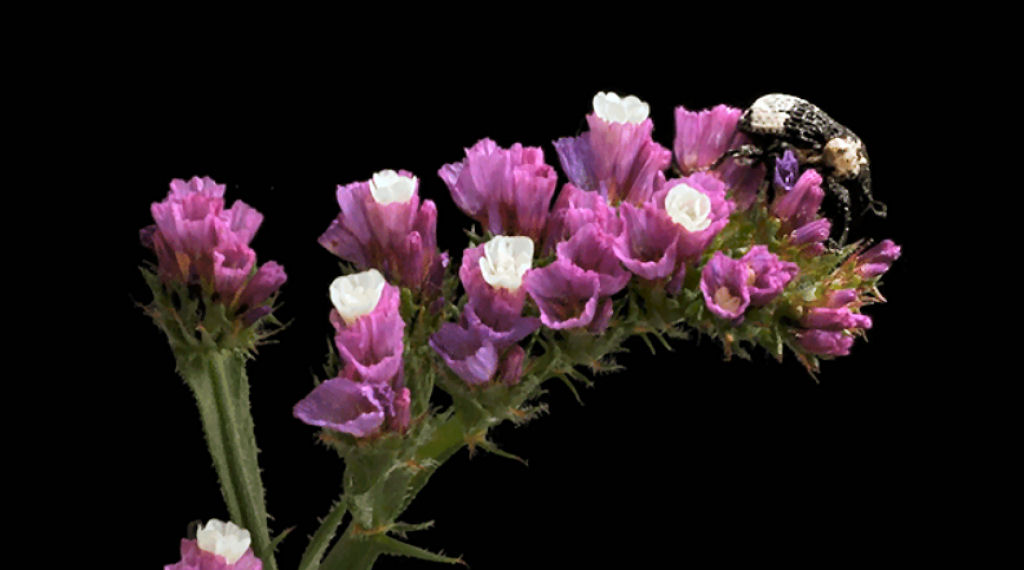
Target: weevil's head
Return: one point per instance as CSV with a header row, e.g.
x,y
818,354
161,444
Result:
x,y
846,155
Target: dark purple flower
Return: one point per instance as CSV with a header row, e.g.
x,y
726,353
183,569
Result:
x,y
800,205
576,208
617,157
828,343
840,297
767,274
724,285
383,225
217,546
787,171
508,191
878,259
566,295
467,351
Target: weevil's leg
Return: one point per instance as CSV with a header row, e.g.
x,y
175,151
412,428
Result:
x,y
864,179
844,197
747,152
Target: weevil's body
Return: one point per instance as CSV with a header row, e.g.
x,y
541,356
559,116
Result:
x,y
777,122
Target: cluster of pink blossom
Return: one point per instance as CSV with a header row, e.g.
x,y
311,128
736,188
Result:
x,y
199,242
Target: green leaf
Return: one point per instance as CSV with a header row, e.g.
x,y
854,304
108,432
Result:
x,y
395,547
323,535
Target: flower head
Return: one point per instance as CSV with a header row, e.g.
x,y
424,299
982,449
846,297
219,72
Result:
x,y
508,191
384,226
878,259
218,546
724,285
617,157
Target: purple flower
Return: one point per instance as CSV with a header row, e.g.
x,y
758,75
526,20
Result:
x,y
197,241
496,309
383,225
724,284
828,343
648,243
593,250
768,274
368,327
699,209
467,351
576,208
566,295
218,546
834,319
787,171
800,205
878,259
617,157
811,233
511,369
704,136
342,405
840,297
508,191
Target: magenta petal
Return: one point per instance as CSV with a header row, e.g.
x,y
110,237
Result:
x,y
371,347
648,243
501,325
576,208
834,319
566,295
467,352
232,265
267,280
829,343
768,275
195,558
800,205
703,136
592,249
342,405
724,285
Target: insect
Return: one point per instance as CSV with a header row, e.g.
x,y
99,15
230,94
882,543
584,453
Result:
x,y
777,122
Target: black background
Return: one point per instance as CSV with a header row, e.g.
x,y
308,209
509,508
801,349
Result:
x,y
682,453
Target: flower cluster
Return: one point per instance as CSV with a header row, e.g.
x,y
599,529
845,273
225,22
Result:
x,y
217,546
369,395
199,242
384,226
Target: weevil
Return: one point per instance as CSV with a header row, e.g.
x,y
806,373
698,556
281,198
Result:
x,y
776,122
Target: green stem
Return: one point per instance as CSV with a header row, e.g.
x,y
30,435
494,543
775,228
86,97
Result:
x,y
221,388
351,553
322,538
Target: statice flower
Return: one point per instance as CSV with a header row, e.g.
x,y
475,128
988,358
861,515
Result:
x,y
568,296
508,191
217,546
370,393
468,351
199,242
767,274
702,137
383,225
878,259
492,275
800,205
787,171
617,157
699,208
724,283
831,322
576,208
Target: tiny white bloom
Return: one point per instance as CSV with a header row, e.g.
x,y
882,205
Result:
x,y
688,207
615,109
224,539
357,294
505,260
725,299
388,186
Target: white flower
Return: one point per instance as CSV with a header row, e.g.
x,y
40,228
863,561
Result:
x,y
688,207
357,294
612,108
505,260
224,539
388,186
